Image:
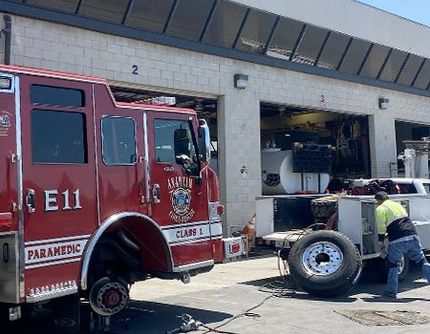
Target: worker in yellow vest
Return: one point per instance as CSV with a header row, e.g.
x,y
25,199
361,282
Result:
x,y
393,222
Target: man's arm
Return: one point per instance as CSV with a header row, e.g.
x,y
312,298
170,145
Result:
x,y
381,221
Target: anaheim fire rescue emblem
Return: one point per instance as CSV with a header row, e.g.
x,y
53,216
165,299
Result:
x,y
181,201
180,198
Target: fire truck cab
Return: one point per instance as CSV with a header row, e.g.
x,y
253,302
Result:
x,y
96,194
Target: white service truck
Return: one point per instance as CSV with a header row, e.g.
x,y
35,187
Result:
x,y
329,262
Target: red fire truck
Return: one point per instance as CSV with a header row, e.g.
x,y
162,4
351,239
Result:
x,y
96,194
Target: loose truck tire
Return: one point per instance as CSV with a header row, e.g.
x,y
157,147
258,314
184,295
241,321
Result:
x,y
325,263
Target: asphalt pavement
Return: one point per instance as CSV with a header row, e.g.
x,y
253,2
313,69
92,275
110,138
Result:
x,y
250,297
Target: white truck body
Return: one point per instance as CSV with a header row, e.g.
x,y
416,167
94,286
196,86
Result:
x,y
410,188
328,263
356,219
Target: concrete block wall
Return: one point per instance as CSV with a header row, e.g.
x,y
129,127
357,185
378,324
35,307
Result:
x,y
58,47
239,123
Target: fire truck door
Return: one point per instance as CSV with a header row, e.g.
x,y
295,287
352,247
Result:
x,y
9,197
178,197
120,181
59,187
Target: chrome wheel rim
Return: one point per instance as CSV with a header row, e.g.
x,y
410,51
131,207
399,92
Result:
x,y
322,258
401,265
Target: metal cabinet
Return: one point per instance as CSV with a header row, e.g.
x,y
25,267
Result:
x,y
369,226
8,269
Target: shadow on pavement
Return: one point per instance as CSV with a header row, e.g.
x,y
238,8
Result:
x,y
284,287
157,318
139,317
368,284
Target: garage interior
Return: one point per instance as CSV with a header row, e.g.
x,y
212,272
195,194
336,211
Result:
x,y
348,135
408,131
282,127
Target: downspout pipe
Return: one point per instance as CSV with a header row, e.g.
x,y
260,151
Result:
x,y
7,31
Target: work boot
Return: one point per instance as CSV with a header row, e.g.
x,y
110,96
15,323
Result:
x,y
389,294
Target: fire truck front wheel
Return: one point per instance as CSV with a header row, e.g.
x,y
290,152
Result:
x,y
108,296
325,263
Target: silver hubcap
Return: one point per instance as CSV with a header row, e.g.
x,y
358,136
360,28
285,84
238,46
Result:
x,y
322,258
401,265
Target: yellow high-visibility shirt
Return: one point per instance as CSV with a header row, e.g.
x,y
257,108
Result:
x,y
388,212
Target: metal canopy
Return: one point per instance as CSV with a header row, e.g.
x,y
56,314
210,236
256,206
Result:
x,y
244,31
205,107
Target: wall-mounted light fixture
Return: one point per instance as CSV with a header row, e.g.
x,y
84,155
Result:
x,y
240,81
383,103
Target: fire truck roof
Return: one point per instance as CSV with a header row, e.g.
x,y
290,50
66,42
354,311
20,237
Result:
x,y
89,79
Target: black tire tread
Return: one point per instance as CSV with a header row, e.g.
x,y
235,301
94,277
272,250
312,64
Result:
x,y
332,285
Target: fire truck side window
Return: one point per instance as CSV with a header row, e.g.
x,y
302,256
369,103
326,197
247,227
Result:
x,y
118,141
58,137
56,96
172,139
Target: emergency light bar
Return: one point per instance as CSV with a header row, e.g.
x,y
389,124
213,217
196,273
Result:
x,y
5,83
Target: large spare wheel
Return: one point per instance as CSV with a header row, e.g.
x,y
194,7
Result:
x,y
325,263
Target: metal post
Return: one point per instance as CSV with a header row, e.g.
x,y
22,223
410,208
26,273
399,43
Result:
x,y
7,38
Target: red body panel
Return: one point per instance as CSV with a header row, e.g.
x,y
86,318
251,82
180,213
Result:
x,y
193,252
43,277
213,195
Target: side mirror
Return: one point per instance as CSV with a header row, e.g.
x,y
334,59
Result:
x,y
182,142
204,141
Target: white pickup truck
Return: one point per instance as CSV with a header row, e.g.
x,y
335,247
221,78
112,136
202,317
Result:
x,y
406,185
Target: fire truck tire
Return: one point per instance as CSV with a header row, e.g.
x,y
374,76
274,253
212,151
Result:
x,y
325,263
108,296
